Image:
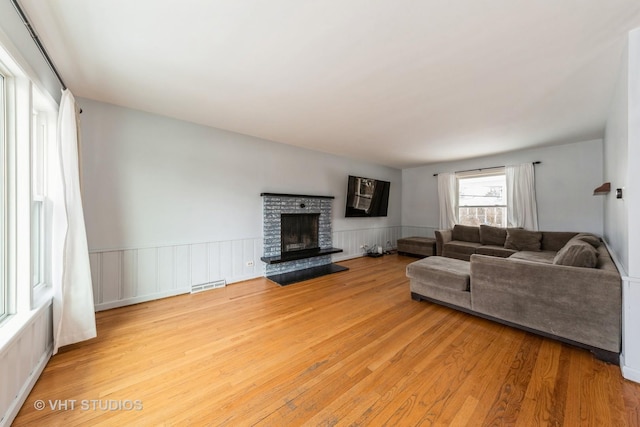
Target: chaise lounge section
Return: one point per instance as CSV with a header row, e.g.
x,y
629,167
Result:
x,y
572,293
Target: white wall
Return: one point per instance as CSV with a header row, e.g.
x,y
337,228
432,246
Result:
x,y
565,181
632,187
152,181
616,165
164,192
622,169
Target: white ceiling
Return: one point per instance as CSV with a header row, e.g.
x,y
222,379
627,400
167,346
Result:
x,y
395,82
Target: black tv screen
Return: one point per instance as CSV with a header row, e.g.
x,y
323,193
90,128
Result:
x,y
367,197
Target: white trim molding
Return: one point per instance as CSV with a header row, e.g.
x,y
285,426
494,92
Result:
x,y
630,357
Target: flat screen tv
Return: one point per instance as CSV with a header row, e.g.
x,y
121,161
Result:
x,y
367,197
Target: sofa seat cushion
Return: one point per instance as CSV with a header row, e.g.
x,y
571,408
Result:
x,y
494,250
441,272
545,257
425,246
460,249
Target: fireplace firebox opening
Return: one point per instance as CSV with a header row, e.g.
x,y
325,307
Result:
x,y
299,232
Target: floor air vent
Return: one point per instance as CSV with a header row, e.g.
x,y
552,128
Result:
x,y
207,286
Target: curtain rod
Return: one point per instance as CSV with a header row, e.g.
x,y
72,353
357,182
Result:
x,y
37,41
493,167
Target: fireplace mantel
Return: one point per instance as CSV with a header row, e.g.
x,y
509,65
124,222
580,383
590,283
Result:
x,y
293,256
306,196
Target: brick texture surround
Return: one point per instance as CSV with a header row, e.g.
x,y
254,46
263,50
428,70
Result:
x,y
273,206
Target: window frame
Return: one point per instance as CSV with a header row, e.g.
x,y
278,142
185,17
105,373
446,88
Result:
x,y
481,173
4,283
21,96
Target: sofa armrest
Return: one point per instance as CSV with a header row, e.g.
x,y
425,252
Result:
x,y
442,237
579,304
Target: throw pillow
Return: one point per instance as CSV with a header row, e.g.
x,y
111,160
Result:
x,y
577,253
519,239
592,239
466,233
490,235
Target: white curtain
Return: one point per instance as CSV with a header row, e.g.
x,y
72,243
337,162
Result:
x,y
521,196
73,309
447,199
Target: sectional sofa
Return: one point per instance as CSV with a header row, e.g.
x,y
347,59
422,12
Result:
x,y
563,285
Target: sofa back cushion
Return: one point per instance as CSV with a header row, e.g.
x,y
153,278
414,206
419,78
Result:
x,y
577,253
591,239
555,240
466,233
519,239
490,235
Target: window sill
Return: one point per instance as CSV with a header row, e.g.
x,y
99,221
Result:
x,y
13,325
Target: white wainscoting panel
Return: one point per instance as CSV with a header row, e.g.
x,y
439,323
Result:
x,y
22,359
351,241
128,285
630,356
199,264
129,276
147,271
166,271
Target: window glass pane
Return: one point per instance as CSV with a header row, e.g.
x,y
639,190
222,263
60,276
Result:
x,y
37,153
37,235
496,216
482,191
37,199
482,200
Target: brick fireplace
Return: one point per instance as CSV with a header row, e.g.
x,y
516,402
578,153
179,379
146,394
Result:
x,y
297,237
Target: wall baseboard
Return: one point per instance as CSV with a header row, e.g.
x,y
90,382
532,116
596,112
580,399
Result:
x,y
629,373
140,299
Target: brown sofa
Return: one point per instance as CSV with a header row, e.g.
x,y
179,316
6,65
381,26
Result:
x,y
565,286
463,241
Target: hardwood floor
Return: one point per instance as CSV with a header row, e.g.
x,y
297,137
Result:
x,y
351,348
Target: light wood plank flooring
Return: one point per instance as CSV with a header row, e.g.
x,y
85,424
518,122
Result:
x,y
347,349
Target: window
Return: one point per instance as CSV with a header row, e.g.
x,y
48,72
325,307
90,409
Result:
x,y
27,128
482,198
